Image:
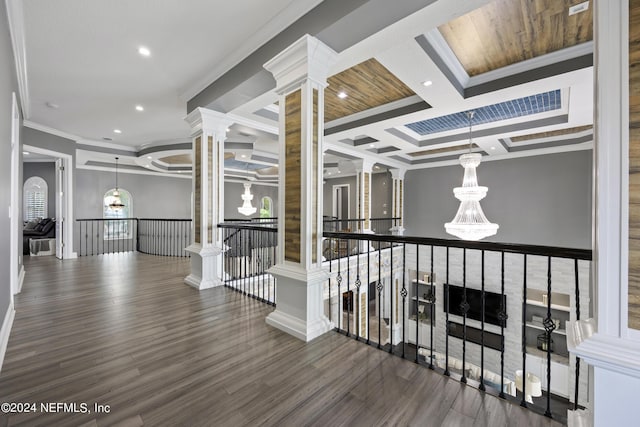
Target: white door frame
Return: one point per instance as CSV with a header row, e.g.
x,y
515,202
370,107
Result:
x,y
64,195
14,208
334,192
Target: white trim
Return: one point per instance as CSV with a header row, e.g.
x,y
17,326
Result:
x,y
67,161
253,183
106,144
43,128
533,63
334,202
185,175
15,16
410,100
255,124
14,207
611,353
6,331
438,43
21,278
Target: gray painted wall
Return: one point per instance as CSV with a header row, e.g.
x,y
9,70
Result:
x,y
539,200
232,199
46,171
153,196
327,194
8,84
380,195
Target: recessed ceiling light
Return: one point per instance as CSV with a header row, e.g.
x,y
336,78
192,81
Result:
x,y
52,105
376,167
144,51
146,166
427,83
243,156
342,95
149,157
139,108
328,173
228,129
371,145
26,153
117,131
493,148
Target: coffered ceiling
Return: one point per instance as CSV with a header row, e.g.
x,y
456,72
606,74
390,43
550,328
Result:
x,y
410,72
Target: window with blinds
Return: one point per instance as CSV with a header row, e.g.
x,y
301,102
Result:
x,y
35,195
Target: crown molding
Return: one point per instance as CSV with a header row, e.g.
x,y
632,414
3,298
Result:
x,y
105,144
439,44
15,17
50,130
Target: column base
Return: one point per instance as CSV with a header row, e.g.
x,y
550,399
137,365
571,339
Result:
x,y
299,302
206,267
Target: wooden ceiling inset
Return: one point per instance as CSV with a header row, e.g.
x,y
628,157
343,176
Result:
x,y
549,134
505,32
177,159
367,85
441,150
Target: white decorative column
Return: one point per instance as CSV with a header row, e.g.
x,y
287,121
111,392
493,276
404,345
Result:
x,y
397,210
363,194
208,132
300,72
614,349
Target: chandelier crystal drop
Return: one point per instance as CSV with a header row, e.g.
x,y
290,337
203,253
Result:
x,y
470,223
246,208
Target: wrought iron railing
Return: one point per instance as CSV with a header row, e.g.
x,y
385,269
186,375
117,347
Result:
x,y
250,250
165,237
352,225
491,315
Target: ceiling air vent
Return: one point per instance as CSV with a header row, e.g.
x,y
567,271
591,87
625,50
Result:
x,y
578,8
106,138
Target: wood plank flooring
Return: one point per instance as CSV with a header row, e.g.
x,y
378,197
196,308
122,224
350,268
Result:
x,y
123,330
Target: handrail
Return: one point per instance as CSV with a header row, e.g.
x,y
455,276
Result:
x,y
553,251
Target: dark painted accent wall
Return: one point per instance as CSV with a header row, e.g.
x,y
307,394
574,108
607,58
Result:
x,y
153,196
327,194
8,84
538,200
232,199
46,171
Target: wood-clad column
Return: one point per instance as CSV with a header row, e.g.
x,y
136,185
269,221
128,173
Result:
x,y
397,208
300,72
613,349
363,194
208,132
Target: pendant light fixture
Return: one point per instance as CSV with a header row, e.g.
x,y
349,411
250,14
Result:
x,y
116,203
246,208
470,223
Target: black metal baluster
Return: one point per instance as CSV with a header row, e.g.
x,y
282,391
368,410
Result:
x,y
464,309
549,326
379,287
391,299
356,313
368,285
339,280
503,318
403,293
523,402
330,266
349,295
483,302
448,308
432,302
575,402
417,303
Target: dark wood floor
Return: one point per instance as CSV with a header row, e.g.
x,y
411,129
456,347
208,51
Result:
x,y
123,330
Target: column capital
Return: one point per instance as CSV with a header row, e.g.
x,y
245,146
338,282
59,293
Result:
x,y
307,58
363,165
205,120
398,173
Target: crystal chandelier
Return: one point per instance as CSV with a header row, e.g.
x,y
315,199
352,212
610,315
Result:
x,y
470,223
246,208
116,203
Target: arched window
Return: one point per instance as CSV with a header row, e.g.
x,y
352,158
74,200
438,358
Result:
x,y
118,228
266,207
35,194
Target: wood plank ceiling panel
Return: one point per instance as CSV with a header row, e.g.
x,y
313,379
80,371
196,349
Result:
x,y
441,150
505,32
549,134
178,159
367,85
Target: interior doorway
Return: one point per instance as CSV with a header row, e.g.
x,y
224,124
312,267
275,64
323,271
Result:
x,y
341,205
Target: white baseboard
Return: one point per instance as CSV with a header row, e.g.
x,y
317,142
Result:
x,y
20,278
5,331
